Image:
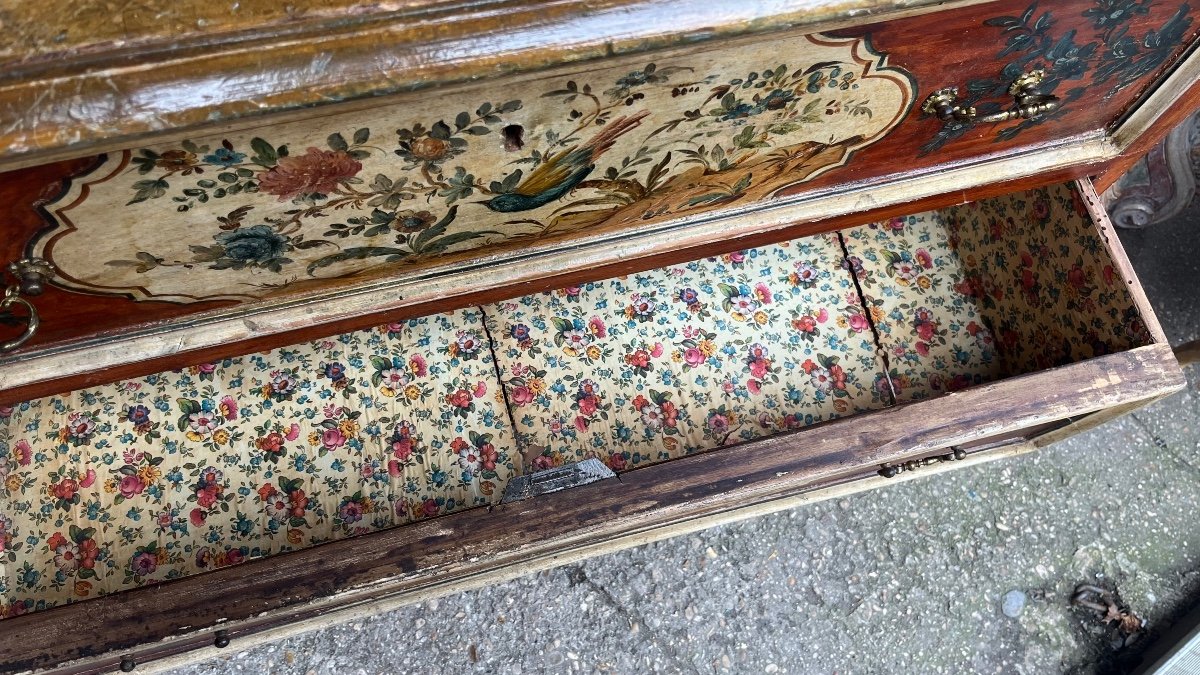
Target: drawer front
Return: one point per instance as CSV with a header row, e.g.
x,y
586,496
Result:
x,y
718,389
439,196
156,73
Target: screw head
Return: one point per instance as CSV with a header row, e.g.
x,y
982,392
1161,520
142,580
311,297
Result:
x,y
128,664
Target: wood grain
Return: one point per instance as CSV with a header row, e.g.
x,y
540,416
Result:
x,y
477,545
87,77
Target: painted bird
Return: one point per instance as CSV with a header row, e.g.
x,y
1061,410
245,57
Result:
x,y
559,174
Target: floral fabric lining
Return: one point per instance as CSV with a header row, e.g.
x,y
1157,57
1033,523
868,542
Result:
x,y
1043,280
120,486
650,367
145,480
911,279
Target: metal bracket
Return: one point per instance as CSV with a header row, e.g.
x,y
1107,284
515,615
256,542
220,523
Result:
x,y
893,470
558,478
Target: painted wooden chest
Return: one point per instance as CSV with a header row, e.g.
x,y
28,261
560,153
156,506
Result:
x,y
295,295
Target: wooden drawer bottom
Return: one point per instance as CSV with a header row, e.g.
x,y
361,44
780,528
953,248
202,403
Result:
x,y
719,388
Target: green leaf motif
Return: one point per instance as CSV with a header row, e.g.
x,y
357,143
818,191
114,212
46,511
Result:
x,y
264,152
148,189
337,142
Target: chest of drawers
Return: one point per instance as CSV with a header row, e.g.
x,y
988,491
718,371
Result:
x,y
318,277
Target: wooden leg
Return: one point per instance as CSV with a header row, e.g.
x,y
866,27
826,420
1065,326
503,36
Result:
x,y
1162,183
1188,353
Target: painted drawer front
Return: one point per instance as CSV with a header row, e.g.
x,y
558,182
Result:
x,y
244,216
437,194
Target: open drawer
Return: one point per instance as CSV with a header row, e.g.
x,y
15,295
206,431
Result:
x,y
321,186
293,485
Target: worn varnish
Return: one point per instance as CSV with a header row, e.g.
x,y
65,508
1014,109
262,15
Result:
x,y
186,65
327,278
478,545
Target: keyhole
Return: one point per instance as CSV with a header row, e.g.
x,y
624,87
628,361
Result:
x,y
512,137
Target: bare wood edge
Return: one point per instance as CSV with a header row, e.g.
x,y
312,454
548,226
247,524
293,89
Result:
x,y
478,546
1013,448
466,42
1091,421
1104,227
228,326
1186,355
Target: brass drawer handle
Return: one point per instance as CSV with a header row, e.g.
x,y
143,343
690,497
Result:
x,y
893,470
30,276
1030,103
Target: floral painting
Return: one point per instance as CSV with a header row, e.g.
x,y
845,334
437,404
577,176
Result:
x,y
364,194
147,480
933,335
649,367
1106,56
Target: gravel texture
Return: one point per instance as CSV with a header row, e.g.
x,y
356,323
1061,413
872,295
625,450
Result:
x,y
913,578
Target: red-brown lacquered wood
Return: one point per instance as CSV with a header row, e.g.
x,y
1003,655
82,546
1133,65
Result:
x,y
158,621
1170,118
65,314
108,315
77,77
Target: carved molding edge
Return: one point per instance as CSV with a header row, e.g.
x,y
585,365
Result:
x,y
1162,183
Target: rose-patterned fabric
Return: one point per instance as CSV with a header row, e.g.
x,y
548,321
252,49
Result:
x,y
991,289
933,335
1043,280
650,367
145,480
116,487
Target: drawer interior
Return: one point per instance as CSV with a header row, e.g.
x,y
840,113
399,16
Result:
x,y
143,481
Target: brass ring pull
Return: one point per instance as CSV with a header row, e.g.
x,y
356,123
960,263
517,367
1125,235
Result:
x,y
30,276
31,324
1030,102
